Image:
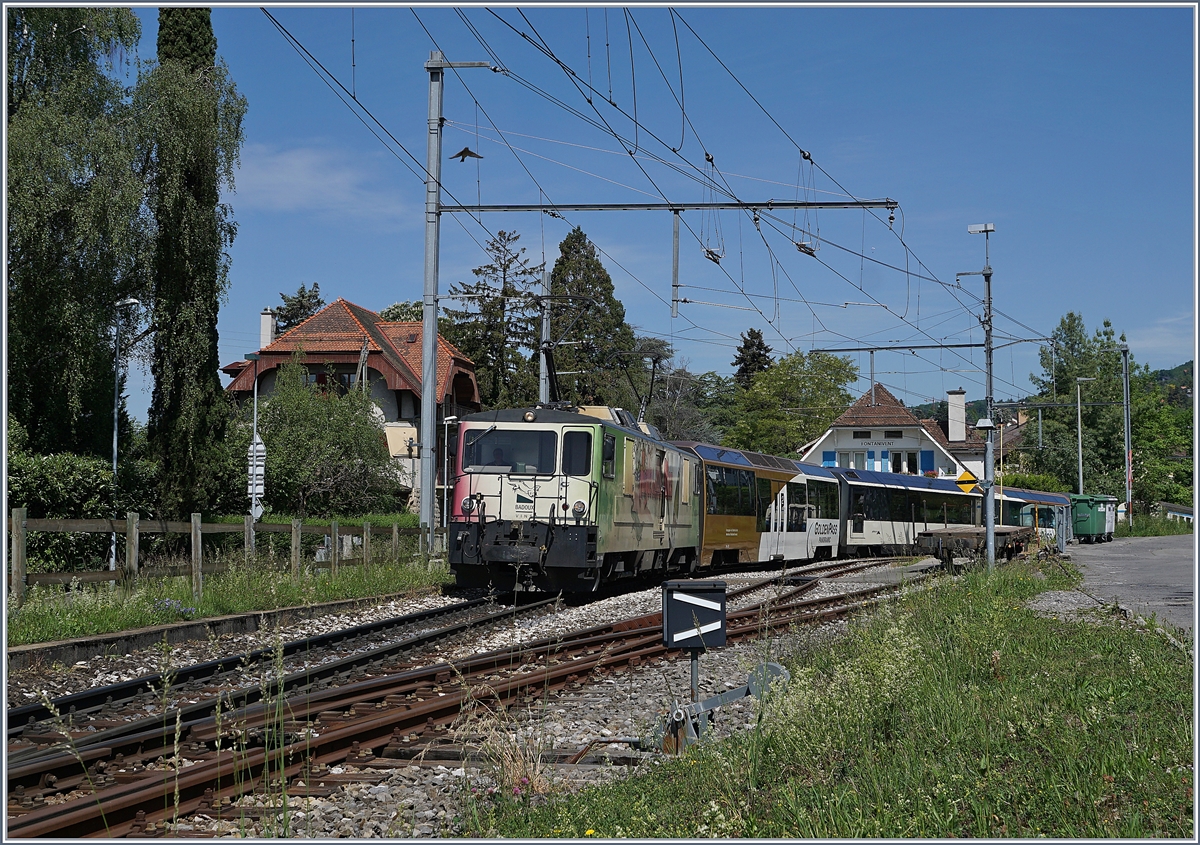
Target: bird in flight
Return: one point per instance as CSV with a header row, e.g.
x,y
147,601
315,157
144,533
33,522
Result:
x,y
464,154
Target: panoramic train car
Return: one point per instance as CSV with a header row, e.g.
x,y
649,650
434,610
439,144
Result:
x,y
761,508
1049,512
567,499
882,512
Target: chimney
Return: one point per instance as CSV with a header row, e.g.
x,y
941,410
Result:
x,y
957,406
266,328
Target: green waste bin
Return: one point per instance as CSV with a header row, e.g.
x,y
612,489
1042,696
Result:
x,y
1095,517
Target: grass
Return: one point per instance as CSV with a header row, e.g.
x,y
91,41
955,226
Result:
x,y
50,613
954,712
1152,526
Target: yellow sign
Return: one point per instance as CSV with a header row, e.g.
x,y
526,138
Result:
x,y
967,481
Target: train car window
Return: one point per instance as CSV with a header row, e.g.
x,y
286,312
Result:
x,y
877,504
697,479
764,504
629,466
898,506
608,456
824,496
517,452
730,491
797,502
577,453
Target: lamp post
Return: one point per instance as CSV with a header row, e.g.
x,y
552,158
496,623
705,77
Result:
x,y
1079,426
124,303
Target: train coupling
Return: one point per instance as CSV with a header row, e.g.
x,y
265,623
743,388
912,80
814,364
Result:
x,y
685,724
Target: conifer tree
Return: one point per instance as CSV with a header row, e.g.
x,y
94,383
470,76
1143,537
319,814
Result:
x,y
197,116
498,327
602,332
299,306
753,356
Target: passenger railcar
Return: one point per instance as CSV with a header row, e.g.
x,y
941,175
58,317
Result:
x,y
1049,513
883,512
762,508
567,499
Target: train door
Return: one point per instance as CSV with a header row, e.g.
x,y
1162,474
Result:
x,y
575,484
795,536
770,540
858,512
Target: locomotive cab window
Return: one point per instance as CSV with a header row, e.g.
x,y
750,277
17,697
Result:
x,y
510,451
608,456
577,453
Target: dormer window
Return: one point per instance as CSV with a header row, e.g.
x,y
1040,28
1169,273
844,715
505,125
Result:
x,y
862,435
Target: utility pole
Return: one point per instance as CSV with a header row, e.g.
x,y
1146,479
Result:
x,y
1128,446
433,199
543,371
989,467
675,266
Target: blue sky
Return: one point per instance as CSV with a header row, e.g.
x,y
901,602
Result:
x,y
1071,129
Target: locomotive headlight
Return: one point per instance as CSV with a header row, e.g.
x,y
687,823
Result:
x,y
530,416
468,504
578,508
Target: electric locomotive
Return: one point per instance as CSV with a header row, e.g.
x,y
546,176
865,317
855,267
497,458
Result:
x,y
569,497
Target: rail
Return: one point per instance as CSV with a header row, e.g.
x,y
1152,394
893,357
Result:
x,y
133,526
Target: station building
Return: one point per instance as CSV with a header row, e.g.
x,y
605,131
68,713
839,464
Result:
x,y
878,433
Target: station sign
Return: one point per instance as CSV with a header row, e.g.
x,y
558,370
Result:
x,y
693,614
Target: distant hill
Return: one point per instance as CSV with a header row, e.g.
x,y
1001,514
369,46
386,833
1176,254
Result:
x,y
1180,376
1176,383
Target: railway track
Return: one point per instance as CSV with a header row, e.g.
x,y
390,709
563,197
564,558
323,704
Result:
x,y
132,778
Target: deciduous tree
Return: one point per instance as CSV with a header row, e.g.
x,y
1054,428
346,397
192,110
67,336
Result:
x,y
792,402
79,234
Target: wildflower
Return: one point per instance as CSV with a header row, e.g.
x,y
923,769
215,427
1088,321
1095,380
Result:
x,y
516,790
524,780
588,832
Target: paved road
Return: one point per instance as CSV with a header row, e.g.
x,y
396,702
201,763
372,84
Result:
x,y
1146,574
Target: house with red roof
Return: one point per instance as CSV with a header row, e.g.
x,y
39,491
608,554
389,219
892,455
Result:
x,y
878,433
343,345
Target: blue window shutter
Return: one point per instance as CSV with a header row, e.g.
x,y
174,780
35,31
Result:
x,y
828,459
926,460
871,459
883,462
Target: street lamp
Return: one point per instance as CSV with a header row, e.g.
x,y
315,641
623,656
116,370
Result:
x,y
1079,426
124,303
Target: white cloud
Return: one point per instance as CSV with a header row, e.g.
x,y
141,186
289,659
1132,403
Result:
x,y
320,181
1169,342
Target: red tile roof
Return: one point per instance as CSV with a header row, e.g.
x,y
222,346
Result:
x,y
887,410
336,334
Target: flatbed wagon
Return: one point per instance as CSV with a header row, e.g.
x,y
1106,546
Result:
x,y
969,540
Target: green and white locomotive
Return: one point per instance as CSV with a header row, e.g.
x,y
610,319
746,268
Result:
x,y
567,498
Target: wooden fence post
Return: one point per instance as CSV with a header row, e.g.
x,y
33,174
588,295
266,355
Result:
x,y
333,550
295,548
18,555
131,545
366,543
197,572
395,542
248,536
